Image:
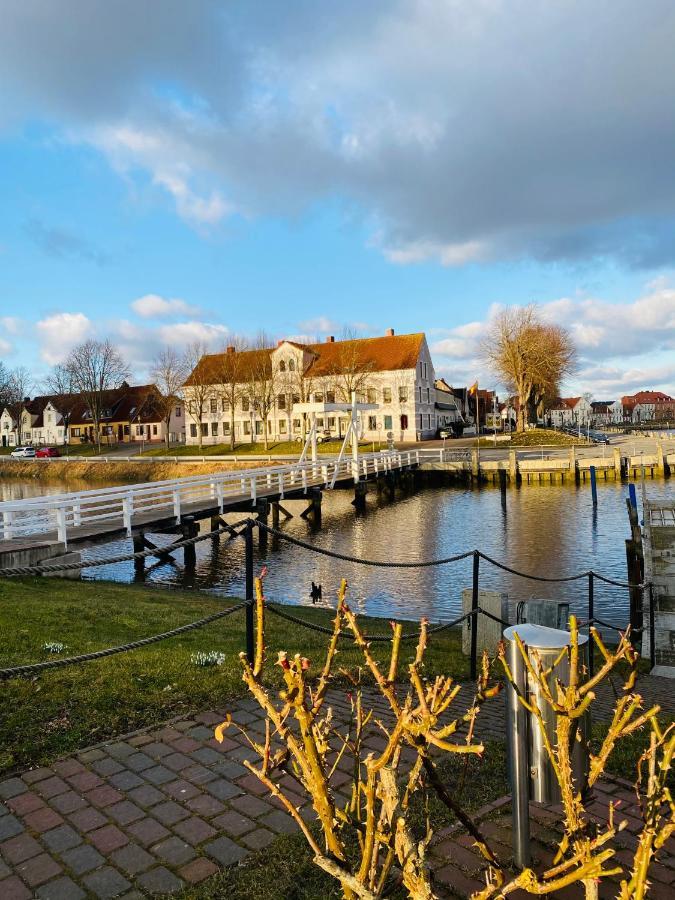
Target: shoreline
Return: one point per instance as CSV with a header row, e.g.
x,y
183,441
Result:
x,y
94,471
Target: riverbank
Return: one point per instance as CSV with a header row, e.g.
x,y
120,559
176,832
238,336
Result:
x,y
46,716
109,472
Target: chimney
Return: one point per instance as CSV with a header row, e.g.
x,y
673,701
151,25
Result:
x,y
330,339
389,332
231,349
280,342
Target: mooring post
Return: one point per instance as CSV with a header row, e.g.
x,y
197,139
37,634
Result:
x,y
248,543
275,515
591,616
594,486
632,493
474,616
215,525
189,529
139,561
262,509
360,489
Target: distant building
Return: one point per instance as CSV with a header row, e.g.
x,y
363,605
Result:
x,y
448,406
601,413
648,406
568,411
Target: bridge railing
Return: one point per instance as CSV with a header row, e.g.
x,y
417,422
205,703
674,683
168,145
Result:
x,y
61,513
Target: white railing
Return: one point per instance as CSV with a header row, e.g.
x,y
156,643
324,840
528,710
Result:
x,y
126,505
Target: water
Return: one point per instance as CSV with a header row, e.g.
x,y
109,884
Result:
x,y
547,530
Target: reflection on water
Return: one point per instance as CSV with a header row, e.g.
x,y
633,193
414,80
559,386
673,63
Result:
x,y
547,530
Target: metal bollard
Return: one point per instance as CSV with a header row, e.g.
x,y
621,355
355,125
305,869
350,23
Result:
x,y
530,772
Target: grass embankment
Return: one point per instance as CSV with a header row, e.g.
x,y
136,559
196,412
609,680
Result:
x,y
538,437
53,714
110,472
245,448
73,450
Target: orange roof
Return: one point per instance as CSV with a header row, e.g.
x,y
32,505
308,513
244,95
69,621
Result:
x,y
377,354
646,397
248,362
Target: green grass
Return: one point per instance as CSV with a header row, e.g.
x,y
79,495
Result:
x,y
538,437
55,713
245,448
285,871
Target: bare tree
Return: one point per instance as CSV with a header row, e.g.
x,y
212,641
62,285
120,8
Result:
x,y
60,385
297,386
17,388
351,370
531,357
4,385
169,371
230,376
199,385
262,381
96,368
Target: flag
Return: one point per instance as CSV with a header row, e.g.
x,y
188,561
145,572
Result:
x,y
474,388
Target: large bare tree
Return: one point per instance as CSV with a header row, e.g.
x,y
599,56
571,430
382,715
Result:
x,y
231,377
262,382
199,387
17,388
530,356
60,385
96,369
169,371
351,369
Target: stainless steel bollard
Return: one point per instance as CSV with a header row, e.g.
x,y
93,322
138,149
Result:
x,y
530,771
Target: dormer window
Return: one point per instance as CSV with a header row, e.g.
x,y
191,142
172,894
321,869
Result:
x,y
291,365
282,366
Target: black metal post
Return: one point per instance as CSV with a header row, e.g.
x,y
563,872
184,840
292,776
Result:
x,y
652,648
474,617
248,540
591,616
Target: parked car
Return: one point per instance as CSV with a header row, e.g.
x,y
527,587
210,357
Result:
x,y
445,433
47,453
23,452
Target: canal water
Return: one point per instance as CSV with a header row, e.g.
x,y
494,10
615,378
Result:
x,y
549,530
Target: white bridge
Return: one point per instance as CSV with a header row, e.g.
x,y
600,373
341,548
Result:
x,y
101,512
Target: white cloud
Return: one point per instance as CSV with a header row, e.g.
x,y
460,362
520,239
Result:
x,y
5,347
59,333
10,324
446,254
320,325
153,306
183,333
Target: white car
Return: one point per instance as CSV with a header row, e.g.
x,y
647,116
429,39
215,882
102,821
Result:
x,y
23,453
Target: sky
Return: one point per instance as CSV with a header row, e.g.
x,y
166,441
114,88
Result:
x,y
172,172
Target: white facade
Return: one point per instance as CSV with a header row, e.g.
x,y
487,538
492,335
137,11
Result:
x,y
406,399
7,429
566,415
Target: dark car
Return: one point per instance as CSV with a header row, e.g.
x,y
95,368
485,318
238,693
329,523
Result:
x,y
47,452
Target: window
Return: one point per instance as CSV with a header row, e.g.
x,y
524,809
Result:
x,y
420,391
179,412
282,426
291,365
319,423
387,423
213,405
330,397
372,423
372,395
281,401
428,396
296,424
296,398
425,371
386,395
404,423
258,427
226,427
214,429
154,429
139,430
282,366
223,405
403,396
127,429
247,427
205,429
245,405
419,418
331,422
318,397
108,429
76,432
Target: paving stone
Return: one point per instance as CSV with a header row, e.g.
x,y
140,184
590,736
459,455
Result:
x,y
233,823
205,805
230,769
11,788
68,802
14,889
88,756
146,795
223,789
137,762
35,775
214,718
160,881
60,889
258,839
82,859
174,851
62,838
124,812
87,819
85,781
198,870
39,869
133,859
186,745
225,851
194,830
140,740
157,749
21,847
107,766
66,767
181,789
4,870
206,756
9,827
104,796
201,733
121,750
106,882
108,838
125,780
24,803
147,831
251,806
169,813
177,761
199,774
243,753
50,787
159,775
41,820
280,822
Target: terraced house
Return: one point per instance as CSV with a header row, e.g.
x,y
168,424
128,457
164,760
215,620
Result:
x,y
246,393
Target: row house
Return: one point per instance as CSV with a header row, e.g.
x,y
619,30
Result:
x,y
393,371
569,411
448,407
648,406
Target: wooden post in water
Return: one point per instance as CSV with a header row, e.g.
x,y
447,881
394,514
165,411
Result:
x,y
594,486
189,529
139,561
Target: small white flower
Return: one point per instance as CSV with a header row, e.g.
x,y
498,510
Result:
x,y
208,658
54,647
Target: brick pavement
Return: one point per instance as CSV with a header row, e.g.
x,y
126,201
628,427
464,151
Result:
x,y
153,812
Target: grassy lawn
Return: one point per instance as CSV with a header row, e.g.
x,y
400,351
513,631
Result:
x,y
537,437
55,713
244,448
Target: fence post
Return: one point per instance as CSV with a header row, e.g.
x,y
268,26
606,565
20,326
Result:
x,y
474,616
652,649
248,540
591,616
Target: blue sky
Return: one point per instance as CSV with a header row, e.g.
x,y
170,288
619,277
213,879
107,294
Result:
x,y
172,172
